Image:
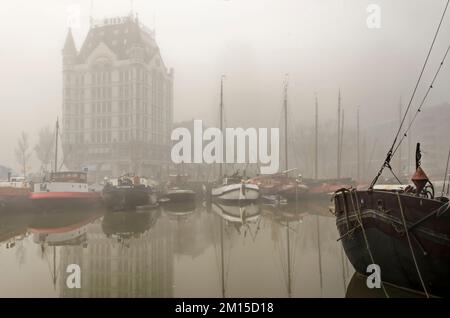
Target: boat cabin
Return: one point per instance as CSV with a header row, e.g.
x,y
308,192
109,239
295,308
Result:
x,y
69,177
232,180
67,181
178,180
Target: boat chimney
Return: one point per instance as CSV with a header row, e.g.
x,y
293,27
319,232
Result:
x,y
9,176
419,178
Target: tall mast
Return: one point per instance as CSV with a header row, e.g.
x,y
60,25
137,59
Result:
x,y
409,144
56,145
358,151
339,137
341,142
316,142
221,120
285,104
400,145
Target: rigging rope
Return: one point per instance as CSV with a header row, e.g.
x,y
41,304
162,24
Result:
x,y
410,246
405,134
390,152
445,176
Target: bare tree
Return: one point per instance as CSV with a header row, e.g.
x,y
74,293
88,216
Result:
x,y
44,149
23,153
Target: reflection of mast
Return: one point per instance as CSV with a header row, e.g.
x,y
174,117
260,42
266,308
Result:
x,y
51,270
320,254
54,267
288,260
222,258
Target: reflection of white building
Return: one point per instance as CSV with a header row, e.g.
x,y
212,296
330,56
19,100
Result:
x,y
143,267
117,100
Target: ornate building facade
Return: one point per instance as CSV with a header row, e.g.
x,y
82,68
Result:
x,y
117,101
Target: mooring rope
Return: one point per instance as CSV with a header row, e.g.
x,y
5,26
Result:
x,y
410,246
359,218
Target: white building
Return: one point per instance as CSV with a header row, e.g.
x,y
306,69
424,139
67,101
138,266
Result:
x,y
117,101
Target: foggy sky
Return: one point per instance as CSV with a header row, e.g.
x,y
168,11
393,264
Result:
x,y
324,45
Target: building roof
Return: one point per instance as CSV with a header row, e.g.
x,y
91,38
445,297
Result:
x,y
69,45
120,35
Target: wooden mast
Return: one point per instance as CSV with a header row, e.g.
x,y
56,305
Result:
x,y
56,145
341,142
358,151
339,137
316,142
400,145
285,105
221,121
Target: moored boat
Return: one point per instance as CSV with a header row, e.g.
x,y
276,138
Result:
x,y
68,189
405,231
178,189
128,192
375,227
324,188
235,191
14,194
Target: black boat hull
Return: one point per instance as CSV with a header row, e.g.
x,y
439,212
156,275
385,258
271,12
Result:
x,y
178,197
117,198
381,217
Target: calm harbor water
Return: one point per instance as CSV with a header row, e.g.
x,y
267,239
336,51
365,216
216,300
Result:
x,y
176,251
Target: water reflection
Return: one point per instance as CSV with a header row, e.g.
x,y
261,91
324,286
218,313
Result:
x,y
178,250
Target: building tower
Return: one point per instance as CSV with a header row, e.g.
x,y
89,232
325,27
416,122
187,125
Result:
x,y
117,101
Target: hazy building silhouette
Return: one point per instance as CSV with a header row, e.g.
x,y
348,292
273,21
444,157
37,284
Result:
x,y
138,266
117,100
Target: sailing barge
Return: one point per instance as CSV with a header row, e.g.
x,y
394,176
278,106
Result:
x,y
406,235
407,231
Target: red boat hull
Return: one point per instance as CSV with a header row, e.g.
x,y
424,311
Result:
x,y
53,200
